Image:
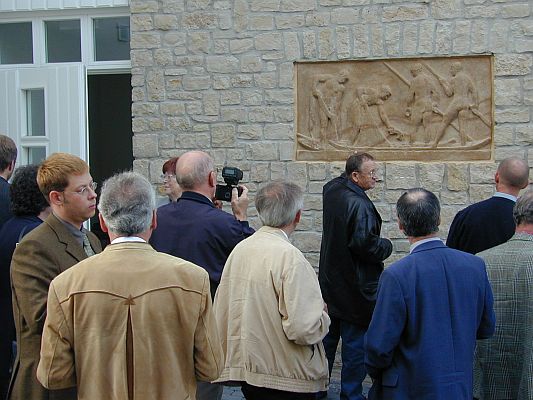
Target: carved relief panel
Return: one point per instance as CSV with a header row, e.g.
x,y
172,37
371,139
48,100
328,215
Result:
x,y
426,109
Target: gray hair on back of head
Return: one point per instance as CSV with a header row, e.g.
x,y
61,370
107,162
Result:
x,y
127,202
278,202
193,171
523,209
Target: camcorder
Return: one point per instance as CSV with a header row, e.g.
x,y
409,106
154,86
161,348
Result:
x,y
231,176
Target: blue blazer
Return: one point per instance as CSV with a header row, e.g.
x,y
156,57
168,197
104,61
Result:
x,y
194,229
432,306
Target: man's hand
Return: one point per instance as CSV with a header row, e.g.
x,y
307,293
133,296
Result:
x,y
239,204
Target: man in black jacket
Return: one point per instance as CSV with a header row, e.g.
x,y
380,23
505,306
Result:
x,y
351,261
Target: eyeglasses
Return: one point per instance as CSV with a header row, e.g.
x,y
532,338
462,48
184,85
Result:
x,y
84,190
372,174
167,177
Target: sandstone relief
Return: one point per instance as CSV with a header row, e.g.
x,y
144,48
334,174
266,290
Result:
x,y
429,109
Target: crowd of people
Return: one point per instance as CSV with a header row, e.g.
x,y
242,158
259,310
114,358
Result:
x,y
187,298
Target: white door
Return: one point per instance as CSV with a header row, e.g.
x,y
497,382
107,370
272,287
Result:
x,y
44,110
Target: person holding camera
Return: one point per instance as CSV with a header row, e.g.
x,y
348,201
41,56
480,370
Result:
x,y
194,229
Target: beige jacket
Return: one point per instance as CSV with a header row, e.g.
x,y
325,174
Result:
x,y
130,323
270,316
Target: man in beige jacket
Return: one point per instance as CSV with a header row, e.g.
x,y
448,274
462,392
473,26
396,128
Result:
x,y
130,323
269,309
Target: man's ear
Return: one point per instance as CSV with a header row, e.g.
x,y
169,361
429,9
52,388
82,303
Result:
x,y
55,198
11,165
103,225
297,217
153,224
400,226
497,177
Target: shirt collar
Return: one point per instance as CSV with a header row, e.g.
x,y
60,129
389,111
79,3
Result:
x,y
125,239
416,244
77,233
505,196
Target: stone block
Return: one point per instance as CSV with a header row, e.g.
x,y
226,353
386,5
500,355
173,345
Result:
x,y
260,22
297,5
519,10
145,40
317,19
309,44
199,42
142,167
457,177
266,80
317,171
311,201
376,41
343,35
277,171
431,176
264,151
292,46
524,135
163,57
230,97
179,124
289,21
360,41
426,37
196,82
503,135
360,2
283,114
269,41
264,5
223,135
199,20
172,108
145,145
315,187
371,15
252,98
508,92
222,64
482,173
233,114
297,173
481,11
345,16
479,193
444,9
278,131
141,22
307,241
279,96
499,42
512,114
444,37
241,45
165,22
402,13
260,172
143,6
144,109
392,39
211,102
453,197
512,64
286,75
400,176
235,154
326,43
523,45
174,39
221,82
286,151
479,37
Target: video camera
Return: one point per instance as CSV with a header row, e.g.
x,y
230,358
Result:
x,y
231,176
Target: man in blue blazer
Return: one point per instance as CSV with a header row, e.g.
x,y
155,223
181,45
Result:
x,y
432,306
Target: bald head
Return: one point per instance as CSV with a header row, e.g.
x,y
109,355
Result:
x,y
513,172
193,170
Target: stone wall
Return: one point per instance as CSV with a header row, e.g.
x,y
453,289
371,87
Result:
x,y
218,76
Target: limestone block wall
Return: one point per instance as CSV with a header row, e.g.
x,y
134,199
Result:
x,y
217,75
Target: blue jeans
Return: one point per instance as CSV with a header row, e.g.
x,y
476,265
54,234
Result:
x,y
353,370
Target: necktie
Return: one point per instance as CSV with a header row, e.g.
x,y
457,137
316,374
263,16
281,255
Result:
x,y
87,246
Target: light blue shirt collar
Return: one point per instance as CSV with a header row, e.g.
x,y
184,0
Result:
x,y
416,244
505,196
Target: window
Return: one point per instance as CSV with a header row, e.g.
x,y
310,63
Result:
x,y
63,41
111,38
36,154
16,46
35,112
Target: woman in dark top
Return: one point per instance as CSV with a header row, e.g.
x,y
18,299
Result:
x,y
29,208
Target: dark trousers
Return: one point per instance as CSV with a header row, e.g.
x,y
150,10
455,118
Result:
x,y
260,393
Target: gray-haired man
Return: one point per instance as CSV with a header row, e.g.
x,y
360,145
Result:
x,y
144,326
269,295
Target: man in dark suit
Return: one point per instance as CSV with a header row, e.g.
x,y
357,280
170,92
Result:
x,y
51,248
490,222
431,307
8,157
351,260
194,229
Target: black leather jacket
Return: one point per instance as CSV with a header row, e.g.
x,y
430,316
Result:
x,y
352,252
